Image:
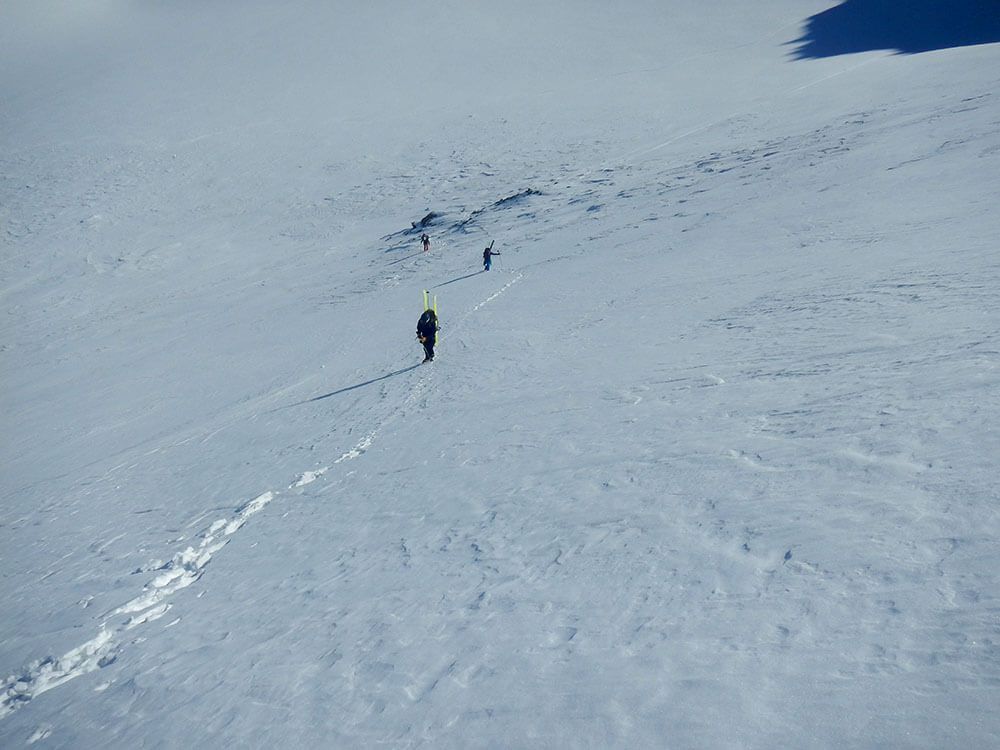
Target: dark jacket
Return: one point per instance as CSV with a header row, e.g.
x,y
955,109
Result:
x,y
427,326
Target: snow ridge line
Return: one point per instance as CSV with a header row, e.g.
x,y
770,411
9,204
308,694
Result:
x,y
182,570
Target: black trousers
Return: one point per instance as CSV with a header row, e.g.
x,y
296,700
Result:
x,y
429,348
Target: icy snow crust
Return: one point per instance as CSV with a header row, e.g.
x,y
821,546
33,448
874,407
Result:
x,y
708,459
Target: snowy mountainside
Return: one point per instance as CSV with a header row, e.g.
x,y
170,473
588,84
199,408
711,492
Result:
x,y
707,460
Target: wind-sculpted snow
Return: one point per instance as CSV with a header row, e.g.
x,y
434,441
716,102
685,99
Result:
x,y
707,459
403,239
184,569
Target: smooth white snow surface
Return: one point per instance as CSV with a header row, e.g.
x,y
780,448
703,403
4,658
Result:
x,y
709,458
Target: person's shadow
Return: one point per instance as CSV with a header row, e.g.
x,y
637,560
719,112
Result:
x,y
906,26
460,278
352,387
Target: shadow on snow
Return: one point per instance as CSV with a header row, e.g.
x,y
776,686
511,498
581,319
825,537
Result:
x,y
906,26
354,387
405,257
467,276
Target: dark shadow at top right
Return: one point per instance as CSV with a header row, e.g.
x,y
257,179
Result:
x,y
906,26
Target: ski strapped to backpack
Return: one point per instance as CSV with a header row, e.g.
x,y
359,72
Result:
x,y
431,303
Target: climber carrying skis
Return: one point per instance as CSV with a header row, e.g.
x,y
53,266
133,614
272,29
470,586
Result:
x,y
427,328
488,254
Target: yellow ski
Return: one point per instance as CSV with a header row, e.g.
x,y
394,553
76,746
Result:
x,y
431,303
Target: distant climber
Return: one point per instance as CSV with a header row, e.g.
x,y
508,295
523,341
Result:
x,y
488,254
427,328
426,241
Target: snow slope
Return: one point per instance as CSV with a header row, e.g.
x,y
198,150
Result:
x,y
707,460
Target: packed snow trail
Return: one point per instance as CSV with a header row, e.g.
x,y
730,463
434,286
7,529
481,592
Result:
x,y
186,567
